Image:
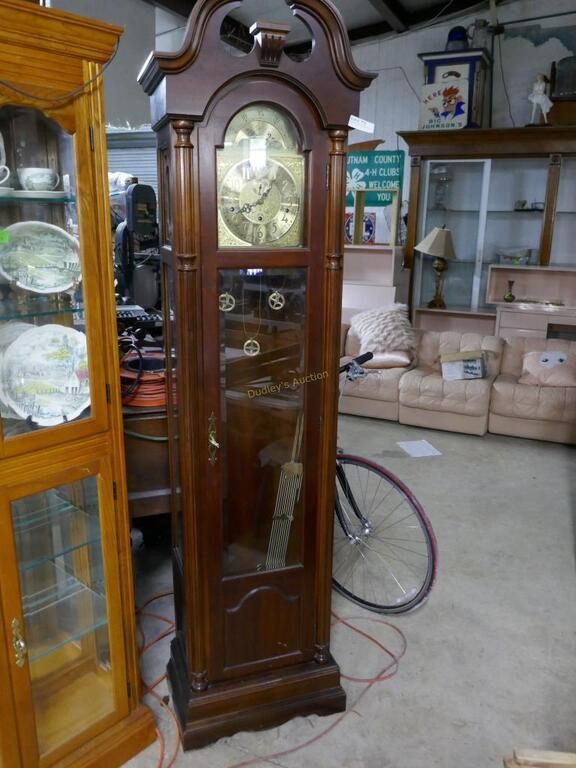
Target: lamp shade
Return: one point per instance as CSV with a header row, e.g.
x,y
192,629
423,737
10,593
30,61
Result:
x,y
438,242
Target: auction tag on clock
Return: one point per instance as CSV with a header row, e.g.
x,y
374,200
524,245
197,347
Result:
x,y
4,236
361,125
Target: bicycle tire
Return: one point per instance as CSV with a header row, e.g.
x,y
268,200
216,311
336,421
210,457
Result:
x,y
385,573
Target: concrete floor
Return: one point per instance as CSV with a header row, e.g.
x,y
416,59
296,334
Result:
x,y
491,656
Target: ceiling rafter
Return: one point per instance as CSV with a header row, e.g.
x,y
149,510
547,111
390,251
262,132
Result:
x,y
394,16
392,13
456,7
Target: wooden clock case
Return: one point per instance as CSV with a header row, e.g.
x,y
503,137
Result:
x,y
252,647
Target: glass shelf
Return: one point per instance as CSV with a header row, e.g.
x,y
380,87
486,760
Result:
x,y
61,612
11,313
56,200
491,210
62,524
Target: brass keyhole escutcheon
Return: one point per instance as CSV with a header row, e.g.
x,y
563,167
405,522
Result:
x,y
213,444
18,644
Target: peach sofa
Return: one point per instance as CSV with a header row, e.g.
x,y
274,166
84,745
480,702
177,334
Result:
x,y
377,394
427,400
530,410
418,395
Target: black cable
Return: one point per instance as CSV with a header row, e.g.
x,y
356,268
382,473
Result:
x,y
387,69
504,81
126,391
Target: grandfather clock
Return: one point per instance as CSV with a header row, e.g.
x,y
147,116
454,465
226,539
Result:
x,y
252,165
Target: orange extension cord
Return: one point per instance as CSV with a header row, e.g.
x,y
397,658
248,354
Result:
x,y
388,671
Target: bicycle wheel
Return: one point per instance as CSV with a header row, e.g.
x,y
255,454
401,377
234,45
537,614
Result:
x,y
384,555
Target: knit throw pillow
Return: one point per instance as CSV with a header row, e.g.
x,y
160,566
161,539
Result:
x,y
385,329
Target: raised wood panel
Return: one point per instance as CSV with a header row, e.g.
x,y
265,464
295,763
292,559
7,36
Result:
x,y
274,621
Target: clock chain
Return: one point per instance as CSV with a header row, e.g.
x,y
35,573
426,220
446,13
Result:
x,y
251,346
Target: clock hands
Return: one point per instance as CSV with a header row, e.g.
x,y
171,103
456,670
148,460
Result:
x,y
247,207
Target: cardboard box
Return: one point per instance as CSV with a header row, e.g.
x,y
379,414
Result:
x,y
463,365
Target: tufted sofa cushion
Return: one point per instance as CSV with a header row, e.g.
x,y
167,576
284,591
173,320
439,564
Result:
x,y
432,345
379,384
531,401
425,388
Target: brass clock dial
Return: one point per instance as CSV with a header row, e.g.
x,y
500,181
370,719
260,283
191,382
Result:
x,y
261,205
259,121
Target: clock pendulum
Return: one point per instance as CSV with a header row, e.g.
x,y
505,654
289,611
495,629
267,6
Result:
x,y
287,497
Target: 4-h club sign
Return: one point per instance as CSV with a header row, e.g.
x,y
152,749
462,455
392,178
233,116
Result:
x,y
376,173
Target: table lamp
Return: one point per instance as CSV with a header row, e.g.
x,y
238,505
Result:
x,y
438,243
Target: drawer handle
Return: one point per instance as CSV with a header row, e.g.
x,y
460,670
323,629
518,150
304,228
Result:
x,y
18,644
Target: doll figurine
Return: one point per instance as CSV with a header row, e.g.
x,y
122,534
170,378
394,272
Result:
x,y
539,98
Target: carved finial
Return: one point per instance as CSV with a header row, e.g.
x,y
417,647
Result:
x,y
270,39
183,129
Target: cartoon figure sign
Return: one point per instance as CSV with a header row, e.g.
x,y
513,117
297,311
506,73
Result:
x,y
444,105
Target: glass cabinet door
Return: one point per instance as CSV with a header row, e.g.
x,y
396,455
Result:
x,y
262,356
44,354
495,211
562,253
60,631
452,198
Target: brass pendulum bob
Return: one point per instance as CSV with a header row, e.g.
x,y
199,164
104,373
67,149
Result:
x,y
439,266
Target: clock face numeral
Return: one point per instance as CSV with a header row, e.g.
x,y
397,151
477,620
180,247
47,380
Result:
x,y
259,205
260,121
260,182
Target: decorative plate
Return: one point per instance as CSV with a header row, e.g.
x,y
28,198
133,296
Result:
x,y
39,257
44,375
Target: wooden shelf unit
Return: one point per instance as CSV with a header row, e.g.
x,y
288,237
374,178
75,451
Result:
x,y
547,153
544,304
68,659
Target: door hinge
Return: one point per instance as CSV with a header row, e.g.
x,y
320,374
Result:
x,y
108,397
91,134
114,490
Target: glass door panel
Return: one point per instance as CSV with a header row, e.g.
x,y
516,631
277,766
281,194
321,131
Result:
x,y
44,378
262,387
565,220
171,344
60,567
515,210
453,199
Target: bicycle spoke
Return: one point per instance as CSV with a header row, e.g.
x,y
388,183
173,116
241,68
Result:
x,y
383,553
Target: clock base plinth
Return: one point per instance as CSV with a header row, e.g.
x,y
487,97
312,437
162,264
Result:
x,y
253,703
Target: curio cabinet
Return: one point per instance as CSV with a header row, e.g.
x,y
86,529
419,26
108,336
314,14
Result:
x,y
69,692
252,157
506,195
